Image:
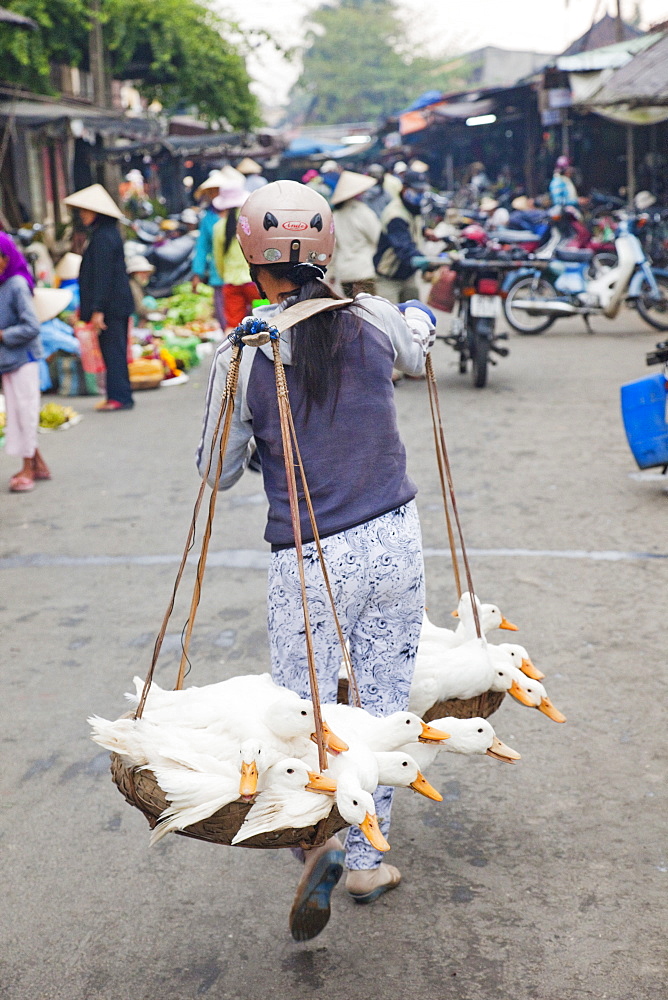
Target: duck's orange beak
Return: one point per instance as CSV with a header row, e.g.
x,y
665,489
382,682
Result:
x,y
371,830
332,742
508,625
516,691
533,672
320,783
455,613
422,786
500,751
248,780
431,735
548,709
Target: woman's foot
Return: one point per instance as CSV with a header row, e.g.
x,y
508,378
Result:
x,y
21,483
310,911
39,467
24,480
367,885
110,405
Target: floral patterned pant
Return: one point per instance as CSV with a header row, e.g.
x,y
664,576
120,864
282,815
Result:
x,y
377,576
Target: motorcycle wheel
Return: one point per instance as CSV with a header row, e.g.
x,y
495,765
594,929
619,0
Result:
x,y
479,345
653,312
530,288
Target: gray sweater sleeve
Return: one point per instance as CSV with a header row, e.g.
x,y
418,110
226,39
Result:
x,y
27,326
240,443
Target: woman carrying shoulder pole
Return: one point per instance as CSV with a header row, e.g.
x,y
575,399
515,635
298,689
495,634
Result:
x,y
339,372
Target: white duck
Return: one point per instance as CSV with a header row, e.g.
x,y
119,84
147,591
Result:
x,y
461,672
467,736
194,795
358,809
399,768
380,732
521,659
288,801
529,692
378,768
148,744
282,721
490,618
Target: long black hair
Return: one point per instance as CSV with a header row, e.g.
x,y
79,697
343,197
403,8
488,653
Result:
x,y
317,343
230,227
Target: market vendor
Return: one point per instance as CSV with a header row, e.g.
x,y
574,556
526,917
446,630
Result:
x,y
106,299
139,272
339,371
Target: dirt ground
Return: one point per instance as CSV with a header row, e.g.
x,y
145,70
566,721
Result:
x,y
541,881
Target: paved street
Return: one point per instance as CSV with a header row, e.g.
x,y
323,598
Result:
x,y
542,881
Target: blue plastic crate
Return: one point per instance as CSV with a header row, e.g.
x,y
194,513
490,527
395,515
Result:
x,y
644,413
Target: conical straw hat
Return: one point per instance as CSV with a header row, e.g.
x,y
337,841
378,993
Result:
x,y
249,166
50,302
138,263
212,183
67,268
230,177
350,184
96,199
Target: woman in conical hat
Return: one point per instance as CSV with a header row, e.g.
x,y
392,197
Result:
x,y
357,233
106,299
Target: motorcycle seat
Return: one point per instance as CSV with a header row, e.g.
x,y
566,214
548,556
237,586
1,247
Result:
x,y
515,236
172,252
573,256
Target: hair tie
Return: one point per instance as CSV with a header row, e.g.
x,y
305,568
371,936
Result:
x,y
301,274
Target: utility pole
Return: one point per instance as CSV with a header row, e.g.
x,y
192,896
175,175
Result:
x,y
96,55
620,23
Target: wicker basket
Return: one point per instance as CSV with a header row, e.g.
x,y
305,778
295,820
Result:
x,y
141,790
458,708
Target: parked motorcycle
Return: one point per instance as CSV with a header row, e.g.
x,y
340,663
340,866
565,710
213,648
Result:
x,y
536,300
471,285
172,261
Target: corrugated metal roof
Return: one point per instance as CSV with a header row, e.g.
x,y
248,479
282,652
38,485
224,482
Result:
x,y
609,57
643,81
602,33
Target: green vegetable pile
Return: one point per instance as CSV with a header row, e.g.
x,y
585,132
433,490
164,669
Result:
x,y
186,306
53,415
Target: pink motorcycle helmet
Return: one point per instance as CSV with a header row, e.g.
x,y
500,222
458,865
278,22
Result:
x,y
286,222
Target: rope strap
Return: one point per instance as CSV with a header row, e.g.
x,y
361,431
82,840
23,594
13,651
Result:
x,y
445,473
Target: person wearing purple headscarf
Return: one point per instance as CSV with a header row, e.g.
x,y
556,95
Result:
x,y
20,350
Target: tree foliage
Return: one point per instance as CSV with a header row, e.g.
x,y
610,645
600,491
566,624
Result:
x,y
357,65
179,51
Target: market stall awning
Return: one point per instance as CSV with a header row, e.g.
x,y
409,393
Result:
x,y
36,114
636,93
641,82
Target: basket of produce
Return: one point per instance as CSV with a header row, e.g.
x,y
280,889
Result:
x,y
146,373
